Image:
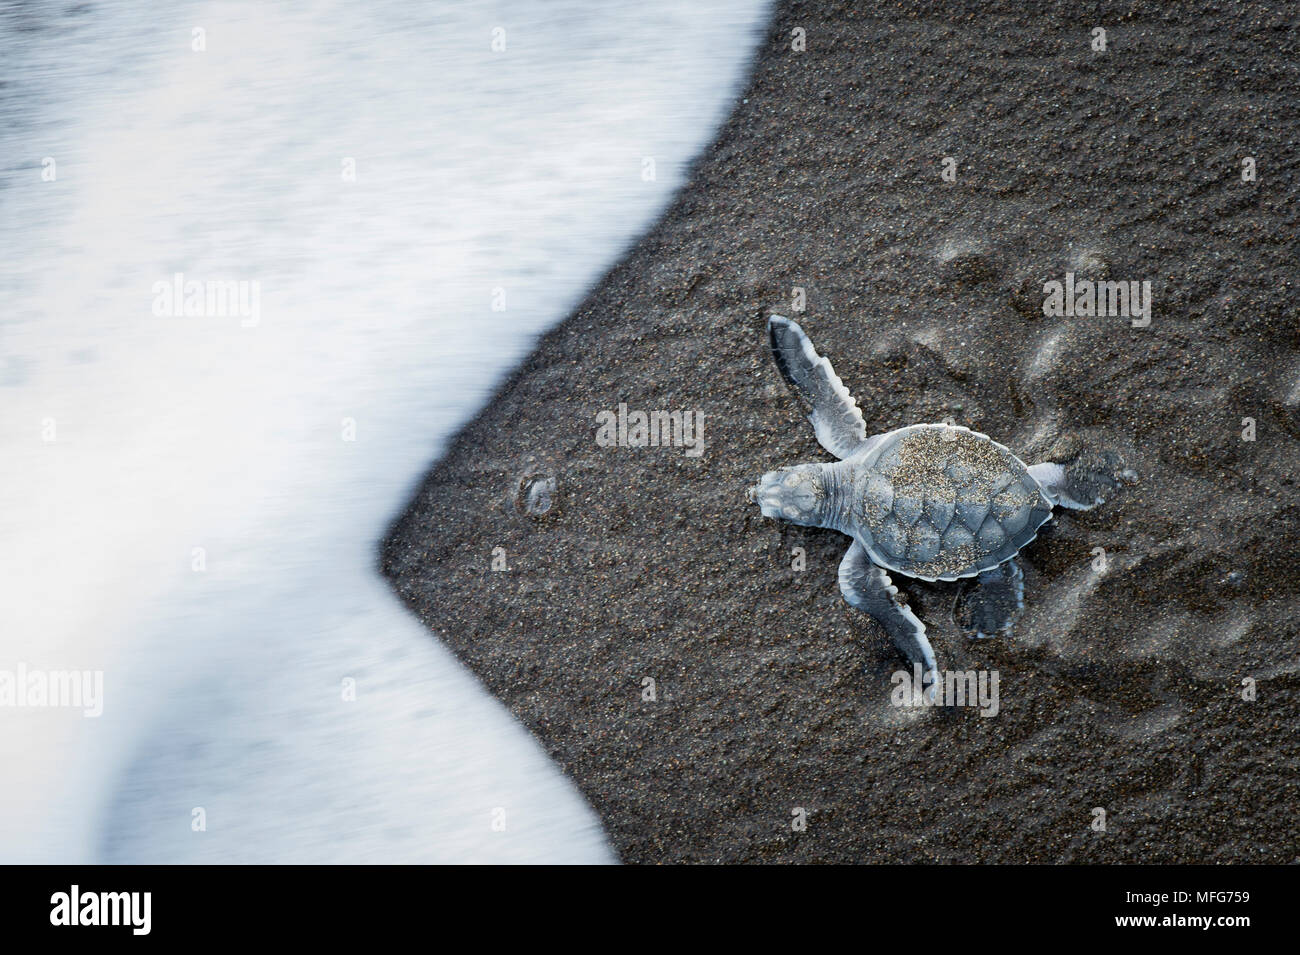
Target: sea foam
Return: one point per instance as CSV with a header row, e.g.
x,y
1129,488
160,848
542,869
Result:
x,y
192,500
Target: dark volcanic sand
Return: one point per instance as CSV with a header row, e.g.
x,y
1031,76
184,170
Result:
x,y
1118,690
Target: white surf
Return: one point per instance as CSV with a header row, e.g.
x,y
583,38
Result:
x,y
192,502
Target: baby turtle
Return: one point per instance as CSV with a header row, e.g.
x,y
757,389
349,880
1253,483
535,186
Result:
x,y
931,501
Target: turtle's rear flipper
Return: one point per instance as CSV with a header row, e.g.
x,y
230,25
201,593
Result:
x,y
989,604
1085,481
869,588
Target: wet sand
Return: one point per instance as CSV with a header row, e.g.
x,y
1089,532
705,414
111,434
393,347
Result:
x,y
1120,688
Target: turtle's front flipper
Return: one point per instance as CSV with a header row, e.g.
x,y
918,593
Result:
x,y
831,409
869,588
1083,482
990,604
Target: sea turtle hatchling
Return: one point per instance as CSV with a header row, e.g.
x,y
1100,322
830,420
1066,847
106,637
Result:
x,y
931,501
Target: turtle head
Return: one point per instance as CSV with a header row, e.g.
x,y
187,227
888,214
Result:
x,y
802,494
